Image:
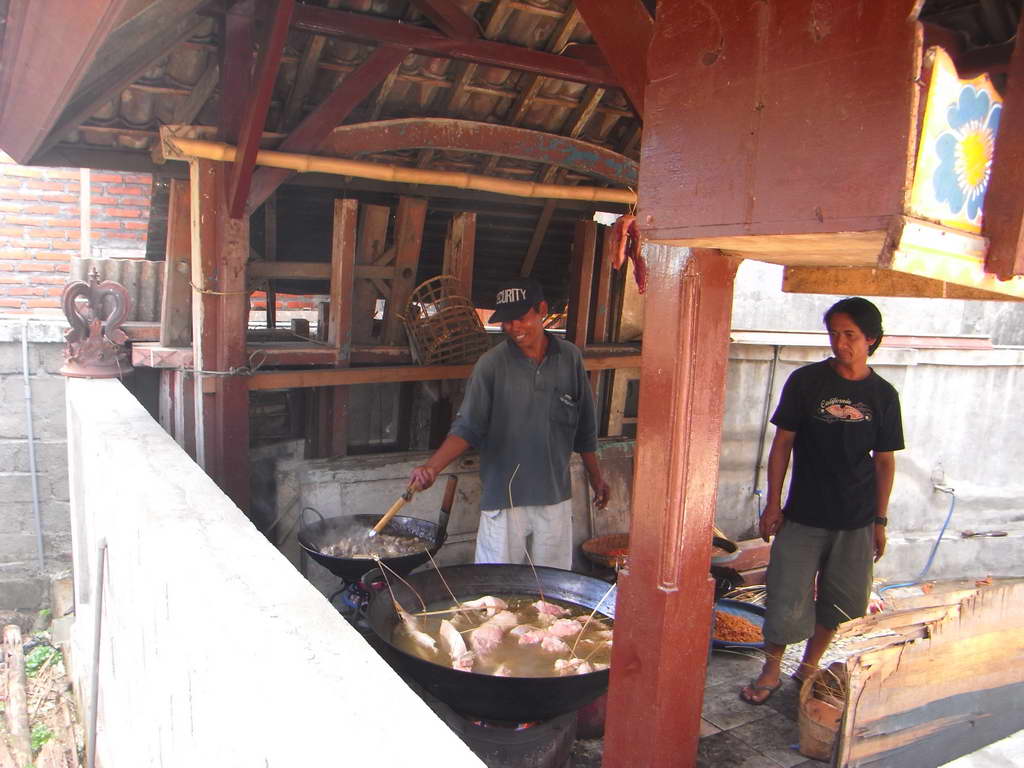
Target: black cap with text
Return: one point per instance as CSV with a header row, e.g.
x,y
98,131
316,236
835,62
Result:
x,y
515,298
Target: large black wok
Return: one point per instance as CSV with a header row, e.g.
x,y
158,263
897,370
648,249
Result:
x,y
496,698
320,535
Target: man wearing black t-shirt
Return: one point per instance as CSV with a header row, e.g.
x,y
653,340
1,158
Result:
x,y
841,423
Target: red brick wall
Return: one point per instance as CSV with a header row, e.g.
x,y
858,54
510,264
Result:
x,y
40,226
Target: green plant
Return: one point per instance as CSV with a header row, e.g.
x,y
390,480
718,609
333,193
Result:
x,y
40,735
39,656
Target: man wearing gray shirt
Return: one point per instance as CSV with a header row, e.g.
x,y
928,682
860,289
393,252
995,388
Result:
x,y
528,407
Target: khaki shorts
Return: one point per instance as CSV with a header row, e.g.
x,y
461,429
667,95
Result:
x,y
840,562
505,533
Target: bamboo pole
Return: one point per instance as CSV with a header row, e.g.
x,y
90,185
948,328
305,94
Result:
x,y
178,148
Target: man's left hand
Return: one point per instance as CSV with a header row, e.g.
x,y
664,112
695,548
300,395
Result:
x,y
879,542
601,491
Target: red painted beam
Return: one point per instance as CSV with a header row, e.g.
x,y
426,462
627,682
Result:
x,y
256,114
317,126
623,30
1003,221
236,82
485,138
448,17
353,26
663,613
47,48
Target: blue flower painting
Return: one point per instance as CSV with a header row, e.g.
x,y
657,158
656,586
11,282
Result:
x,y
965,152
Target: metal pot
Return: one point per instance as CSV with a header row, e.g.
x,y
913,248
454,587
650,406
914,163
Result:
x,y
317,536
487,696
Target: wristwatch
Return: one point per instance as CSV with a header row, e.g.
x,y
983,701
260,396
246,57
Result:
x,y
882,521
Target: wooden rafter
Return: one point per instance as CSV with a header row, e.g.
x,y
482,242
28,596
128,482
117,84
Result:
x,y
237,69
126,54
305,76
187,109
318,125
367,29
256,114
531,83
29,106
623,30
448,17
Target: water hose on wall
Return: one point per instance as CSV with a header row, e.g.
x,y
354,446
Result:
x,y
935,547
32,468
758,492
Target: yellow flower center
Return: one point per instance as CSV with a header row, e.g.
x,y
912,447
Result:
x,y
975,153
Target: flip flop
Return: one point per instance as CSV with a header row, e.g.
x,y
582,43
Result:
x,y
770,688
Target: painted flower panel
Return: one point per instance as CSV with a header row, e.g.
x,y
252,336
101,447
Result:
x,y
965,152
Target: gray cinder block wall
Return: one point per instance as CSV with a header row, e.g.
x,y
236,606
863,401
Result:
x,y
23,583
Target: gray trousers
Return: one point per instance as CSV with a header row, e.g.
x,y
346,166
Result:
x,y
816,576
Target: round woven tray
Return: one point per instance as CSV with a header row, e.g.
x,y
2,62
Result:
x,y
597,550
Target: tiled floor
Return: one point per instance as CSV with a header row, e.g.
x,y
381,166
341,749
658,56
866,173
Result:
x,y
735,734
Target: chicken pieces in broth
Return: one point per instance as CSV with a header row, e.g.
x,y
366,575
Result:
x,y
516,636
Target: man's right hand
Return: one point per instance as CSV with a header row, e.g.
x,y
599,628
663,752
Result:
x,y
771,520
423,477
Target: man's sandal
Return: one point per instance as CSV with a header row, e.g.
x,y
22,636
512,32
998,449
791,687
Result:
x,y
754,702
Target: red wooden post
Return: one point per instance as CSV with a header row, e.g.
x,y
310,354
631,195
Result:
x,y
1003,221
581,275
663,615
220,310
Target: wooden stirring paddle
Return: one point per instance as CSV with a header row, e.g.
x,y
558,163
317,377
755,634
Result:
x,y
402,500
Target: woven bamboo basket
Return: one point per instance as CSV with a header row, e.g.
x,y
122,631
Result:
x,y
443,326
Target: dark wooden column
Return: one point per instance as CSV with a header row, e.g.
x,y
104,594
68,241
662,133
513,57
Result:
x,y
459,250
220,310
1003,221
339,332
581,277
663,614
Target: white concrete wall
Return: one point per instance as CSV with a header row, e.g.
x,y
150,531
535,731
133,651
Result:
x,y
760,304
23,583
961,428
214,650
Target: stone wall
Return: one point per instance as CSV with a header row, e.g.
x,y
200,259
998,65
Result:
x,y
23,584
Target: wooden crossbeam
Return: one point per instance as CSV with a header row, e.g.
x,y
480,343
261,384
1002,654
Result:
x,y
435,133
312,270
539,231
256,113
317,126
400,373
354,26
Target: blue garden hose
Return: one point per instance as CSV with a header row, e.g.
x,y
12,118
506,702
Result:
x,y
935,546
